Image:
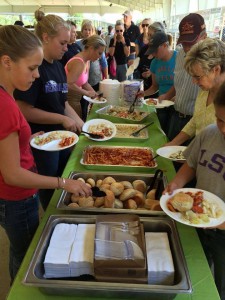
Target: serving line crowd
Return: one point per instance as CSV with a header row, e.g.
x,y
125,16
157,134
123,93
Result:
x,y
55,72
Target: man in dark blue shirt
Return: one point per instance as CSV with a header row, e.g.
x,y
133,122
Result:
x,y
73,47
131,32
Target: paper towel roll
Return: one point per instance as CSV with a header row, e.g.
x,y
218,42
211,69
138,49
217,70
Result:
x,y
111,90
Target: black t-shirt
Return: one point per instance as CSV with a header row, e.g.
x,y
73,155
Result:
x,y
119,54
144,65
132,33
73,49
48,92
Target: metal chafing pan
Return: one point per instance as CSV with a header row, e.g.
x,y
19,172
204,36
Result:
x,y
91,288
65,197
105,112
121,167
128,129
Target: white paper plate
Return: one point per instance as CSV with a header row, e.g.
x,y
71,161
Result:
x,y
162,104
132,67
54,144
95,100
98,122
207,196
168,150
136,62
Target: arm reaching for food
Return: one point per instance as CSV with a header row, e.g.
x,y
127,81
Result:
x,y
183,176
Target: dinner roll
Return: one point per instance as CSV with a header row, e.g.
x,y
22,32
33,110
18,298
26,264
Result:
x,y
182,201
104,187
74,198
126,184
109,199
81,179
151,194
91,181
109,180
118,203
74,205
99,182
127,194
156,206
117,188
150,203
139,198
99,201
130,204
139,185
86,202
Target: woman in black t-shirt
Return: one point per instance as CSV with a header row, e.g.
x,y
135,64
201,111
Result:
x,y
45,104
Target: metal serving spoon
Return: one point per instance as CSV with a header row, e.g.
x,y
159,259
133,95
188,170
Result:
x,y
136,133
93,135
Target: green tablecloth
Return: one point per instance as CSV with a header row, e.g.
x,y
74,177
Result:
x,y
200,274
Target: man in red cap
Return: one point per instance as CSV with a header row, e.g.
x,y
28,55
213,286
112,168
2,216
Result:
x,y
192,29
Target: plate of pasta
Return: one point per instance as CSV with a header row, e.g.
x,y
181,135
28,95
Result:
x,y
102,127
194,207
54,140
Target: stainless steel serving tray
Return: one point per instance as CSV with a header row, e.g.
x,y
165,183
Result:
x,y
106,167
65,197
129,128
91,288
105,112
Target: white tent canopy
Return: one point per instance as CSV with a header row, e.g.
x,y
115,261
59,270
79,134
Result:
x,y
76,6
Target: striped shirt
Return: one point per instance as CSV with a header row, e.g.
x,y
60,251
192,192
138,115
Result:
x,y
186,90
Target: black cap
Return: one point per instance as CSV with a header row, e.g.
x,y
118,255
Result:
x,y
156,40
18,22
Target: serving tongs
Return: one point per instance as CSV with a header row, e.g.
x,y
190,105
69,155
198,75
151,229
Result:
x,y
136,133
157,177
93,135
96,192
131,109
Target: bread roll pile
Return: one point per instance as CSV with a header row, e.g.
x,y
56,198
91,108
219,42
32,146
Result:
x,y
119,195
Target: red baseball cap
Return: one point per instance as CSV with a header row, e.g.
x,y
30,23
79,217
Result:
x,y
190,28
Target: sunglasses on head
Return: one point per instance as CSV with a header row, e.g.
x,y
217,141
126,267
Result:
x,y
144,25
119,30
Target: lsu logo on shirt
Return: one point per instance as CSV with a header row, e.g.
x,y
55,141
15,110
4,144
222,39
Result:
x,y
51,87
216,163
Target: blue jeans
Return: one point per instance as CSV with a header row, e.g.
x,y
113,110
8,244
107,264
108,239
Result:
x,y
20,220
121,72
50,164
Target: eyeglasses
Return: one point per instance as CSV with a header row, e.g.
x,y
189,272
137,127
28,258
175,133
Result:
x,y
144,25
199,77
119,30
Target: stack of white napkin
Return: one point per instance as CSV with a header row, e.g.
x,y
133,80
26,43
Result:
x,y
56,261
82,254
159,259
71,251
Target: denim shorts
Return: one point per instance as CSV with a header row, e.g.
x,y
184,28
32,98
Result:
x,y
20,220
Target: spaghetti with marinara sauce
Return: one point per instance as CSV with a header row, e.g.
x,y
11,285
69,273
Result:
x,y
119,156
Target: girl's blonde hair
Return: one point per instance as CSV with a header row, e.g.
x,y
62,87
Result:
x,y
94,41
157,26
49,24
17,42
87,23
208,53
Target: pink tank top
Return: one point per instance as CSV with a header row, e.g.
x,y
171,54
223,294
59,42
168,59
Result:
x,y
83,78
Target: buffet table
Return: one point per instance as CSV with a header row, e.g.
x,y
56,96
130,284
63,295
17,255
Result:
x,y
200,274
